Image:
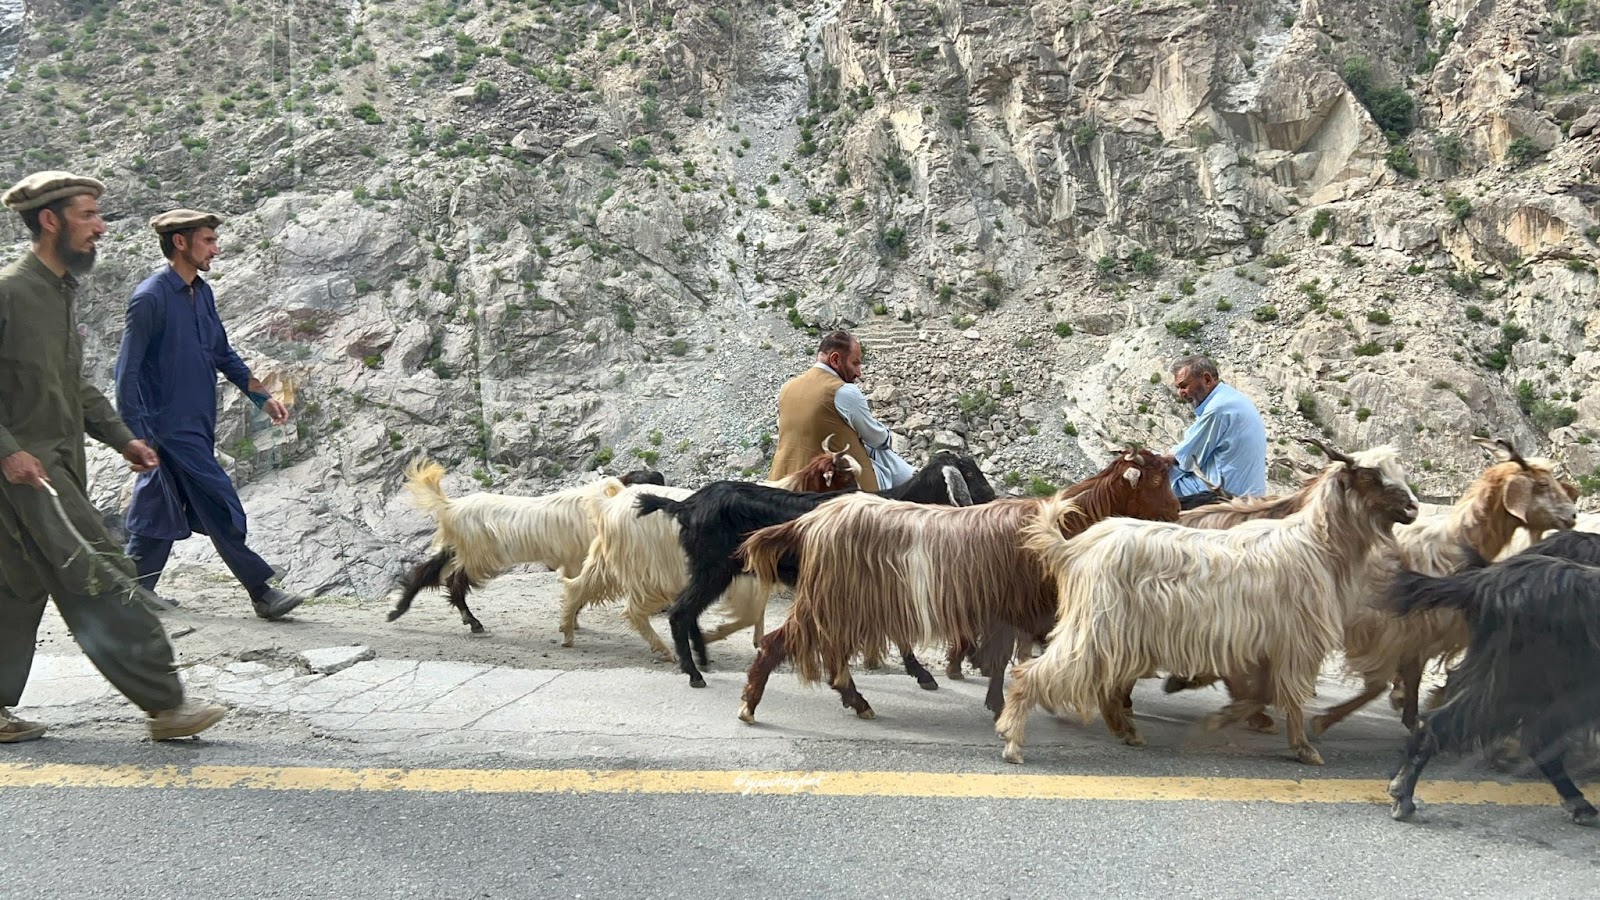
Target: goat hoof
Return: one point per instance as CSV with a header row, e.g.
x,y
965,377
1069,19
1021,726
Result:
x,y
1215,721
1263,723
955,674
393,614
1308,755
929,685
1582,813
747,715
866,714
477,628
697,682
1012,754
1133,739
1403,809
1174,684
566,642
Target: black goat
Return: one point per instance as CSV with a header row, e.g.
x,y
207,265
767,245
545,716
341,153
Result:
x,y
643,476
714,520
1532,668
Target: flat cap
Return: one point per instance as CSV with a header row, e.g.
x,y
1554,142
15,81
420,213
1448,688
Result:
x,y
44,188
183,220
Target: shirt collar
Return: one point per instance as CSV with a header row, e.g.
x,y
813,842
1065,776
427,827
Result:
x,y
826,368
1209,397
176,282
68,281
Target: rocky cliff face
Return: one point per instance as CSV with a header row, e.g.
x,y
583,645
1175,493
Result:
x,y
536,238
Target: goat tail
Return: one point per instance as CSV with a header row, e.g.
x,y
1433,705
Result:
x,y
423,478
650,503
764,547
1046,534
608,487
1412,592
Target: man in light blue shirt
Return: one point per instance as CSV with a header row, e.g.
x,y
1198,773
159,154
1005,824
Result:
x,y
1225,446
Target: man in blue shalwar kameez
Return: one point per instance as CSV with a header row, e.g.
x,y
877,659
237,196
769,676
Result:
x,y
172,349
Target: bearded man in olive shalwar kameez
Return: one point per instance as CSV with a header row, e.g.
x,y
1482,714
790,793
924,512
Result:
x,y
172,349
46,407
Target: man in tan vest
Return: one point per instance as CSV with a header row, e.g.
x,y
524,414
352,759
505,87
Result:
x,y
824,400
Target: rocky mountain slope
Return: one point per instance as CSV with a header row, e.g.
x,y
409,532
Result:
x,y
537,238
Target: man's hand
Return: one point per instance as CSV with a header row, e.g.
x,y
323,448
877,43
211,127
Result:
x,y
275,410
140,456
23,467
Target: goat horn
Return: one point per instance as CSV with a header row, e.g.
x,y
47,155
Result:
x,y
1512,452
1331,453
1214,488
825,443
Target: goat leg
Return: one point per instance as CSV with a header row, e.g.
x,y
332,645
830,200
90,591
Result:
x,y
839,677
915,670
1411,677
428,574
1420,748
1370,691
1550,754
953,657
459,586
681,619
774,650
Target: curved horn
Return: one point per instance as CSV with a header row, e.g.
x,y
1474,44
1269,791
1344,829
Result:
x,y
1331,453
825,443
1513,454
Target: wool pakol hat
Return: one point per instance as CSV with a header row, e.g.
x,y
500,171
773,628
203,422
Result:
x,y
45,188
183,220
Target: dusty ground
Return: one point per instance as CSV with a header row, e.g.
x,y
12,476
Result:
x,y
521,612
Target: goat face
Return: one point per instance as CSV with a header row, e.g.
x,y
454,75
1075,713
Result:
x,y
1537,499
845,473
1383,487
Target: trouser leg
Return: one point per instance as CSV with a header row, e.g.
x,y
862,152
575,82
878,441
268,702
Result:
x,y
22,598
149,557
216,522
121,637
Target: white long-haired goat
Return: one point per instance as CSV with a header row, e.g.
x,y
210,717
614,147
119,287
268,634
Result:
x,y
1137,596
481,535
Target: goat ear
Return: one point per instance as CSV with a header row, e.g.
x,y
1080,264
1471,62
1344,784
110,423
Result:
x,y
827,478
1571,489
1516,496
1132,475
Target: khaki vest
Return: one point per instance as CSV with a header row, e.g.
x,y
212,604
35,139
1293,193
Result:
x,y
806,416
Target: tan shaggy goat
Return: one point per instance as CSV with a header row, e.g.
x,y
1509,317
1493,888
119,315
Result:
x,y
1511,495
1136,597
876,572
640,558
1379,647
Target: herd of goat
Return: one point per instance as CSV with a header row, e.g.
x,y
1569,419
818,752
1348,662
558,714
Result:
x,y
1109,578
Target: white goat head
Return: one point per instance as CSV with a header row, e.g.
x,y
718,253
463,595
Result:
x,y
1376,475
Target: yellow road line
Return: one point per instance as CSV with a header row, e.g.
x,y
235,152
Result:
x,y
821,783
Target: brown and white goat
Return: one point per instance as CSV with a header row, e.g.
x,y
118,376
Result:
x,y
1136,597
640,558
1511,495
875,573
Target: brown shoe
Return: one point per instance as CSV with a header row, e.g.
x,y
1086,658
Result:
x,y
188,720
14,730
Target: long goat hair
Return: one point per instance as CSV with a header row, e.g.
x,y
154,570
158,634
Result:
x,y
1512,494
640,558
1136,597
874,572
480,535
1532,668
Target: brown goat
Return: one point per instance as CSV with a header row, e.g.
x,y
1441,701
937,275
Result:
x,y
875,572
830,470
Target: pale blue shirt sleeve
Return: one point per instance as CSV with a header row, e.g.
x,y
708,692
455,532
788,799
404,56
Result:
x,y
852,405
887,465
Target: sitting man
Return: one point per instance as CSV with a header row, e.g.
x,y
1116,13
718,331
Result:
x,y
1225,446
824,400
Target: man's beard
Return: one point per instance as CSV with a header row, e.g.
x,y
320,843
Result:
x,y
78,262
